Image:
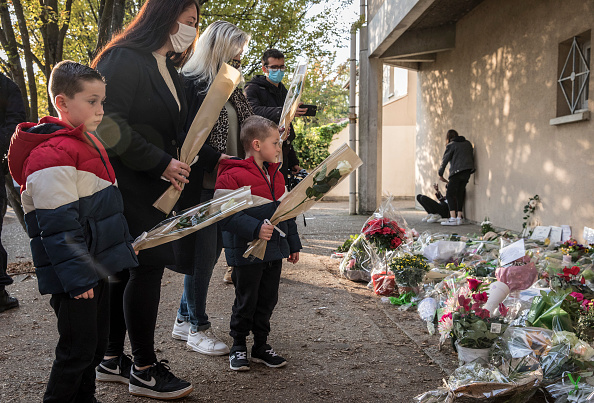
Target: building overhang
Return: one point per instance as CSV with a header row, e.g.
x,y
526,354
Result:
x,y
406,33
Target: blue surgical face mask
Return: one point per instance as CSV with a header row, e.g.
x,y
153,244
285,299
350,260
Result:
x,y
276,76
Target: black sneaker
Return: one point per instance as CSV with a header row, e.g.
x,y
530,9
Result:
x,y
115,369
266,355
158,382
238,359
7,302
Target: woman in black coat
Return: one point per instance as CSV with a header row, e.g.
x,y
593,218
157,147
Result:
x,y
143,126
197,254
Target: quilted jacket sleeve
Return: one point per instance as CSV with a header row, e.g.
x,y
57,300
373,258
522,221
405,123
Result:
x,y
53,189
293,236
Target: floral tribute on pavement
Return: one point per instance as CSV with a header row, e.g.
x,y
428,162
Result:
x,y
520,326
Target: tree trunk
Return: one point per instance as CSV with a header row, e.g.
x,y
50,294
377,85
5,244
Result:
x,y
32,113
119,10
105,24
9,44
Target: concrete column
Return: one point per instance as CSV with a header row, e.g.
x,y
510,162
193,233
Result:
x,y
370,128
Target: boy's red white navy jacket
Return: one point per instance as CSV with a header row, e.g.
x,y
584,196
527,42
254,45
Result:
x,y
73,208
244,226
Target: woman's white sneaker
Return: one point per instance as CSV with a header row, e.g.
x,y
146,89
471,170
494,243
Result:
x,y
451,221
205,342
180,330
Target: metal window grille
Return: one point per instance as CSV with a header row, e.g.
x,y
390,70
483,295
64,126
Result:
x,y
575,73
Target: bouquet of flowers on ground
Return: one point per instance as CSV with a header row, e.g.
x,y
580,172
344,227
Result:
x,y
409,269
384,234
472,325
195,218
386,231
340,164
574,249
356,264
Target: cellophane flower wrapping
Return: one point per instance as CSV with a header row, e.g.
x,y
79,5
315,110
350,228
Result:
x,y
387,232
333,170
195,218
356,265
293,97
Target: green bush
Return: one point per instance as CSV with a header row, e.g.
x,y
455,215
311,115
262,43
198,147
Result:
x,y
312,145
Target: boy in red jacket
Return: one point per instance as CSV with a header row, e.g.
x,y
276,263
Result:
x,y
256,281
74,216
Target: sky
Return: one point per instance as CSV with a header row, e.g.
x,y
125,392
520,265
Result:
x,y
348,16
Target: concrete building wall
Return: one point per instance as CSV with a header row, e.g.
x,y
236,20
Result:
x,y
498,88
398,145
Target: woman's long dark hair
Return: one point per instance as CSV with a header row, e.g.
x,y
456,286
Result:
x,y
149,30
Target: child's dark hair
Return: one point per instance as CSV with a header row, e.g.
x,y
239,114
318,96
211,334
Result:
x,y
255,128
67,76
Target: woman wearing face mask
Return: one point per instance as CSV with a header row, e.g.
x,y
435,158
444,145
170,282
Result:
x,y
143,130
197,254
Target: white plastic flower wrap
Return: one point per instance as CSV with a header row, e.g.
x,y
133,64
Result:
x,y
195,218
340,164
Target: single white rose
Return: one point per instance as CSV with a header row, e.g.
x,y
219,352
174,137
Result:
x,y
532,203
228,205
343,167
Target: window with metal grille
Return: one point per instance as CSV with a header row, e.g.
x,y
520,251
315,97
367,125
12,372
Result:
x,y
573,80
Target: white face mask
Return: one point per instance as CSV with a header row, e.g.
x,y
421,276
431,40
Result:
x,y
183,37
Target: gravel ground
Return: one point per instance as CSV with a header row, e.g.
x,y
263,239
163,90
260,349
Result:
x,y
340,341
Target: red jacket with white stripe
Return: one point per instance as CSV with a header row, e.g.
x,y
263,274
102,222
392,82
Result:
x,y
244,226
73,208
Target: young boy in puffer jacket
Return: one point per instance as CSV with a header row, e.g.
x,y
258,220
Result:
x,y
74,216
256,282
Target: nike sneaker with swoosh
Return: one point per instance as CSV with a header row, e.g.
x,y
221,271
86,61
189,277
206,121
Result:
x,y
158,382
115,369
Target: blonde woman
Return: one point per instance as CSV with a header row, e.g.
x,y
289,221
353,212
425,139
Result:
x,y
196,255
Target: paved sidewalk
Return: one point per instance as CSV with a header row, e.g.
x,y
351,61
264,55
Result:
x,y
341,342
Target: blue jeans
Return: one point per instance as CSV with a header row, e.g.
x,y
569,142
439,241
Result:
x,y
208,247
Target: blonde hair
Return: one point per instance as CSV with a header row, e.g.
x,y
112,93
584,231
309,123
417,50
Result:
x,y
218,44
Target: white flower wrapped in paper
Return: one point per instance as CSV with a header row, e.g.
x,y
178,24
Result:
x,y
344,168
196,218
310,190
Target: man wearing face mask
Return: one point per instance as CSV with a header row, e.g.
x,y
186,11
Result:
x,y
266,94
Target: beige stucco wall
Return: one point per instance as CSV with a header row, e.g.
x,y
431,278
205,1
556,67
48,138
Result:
x,y
398,145
498,88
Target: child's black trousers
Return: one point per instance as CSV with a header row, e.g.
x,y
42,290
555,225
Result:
x,y
83,326
256,295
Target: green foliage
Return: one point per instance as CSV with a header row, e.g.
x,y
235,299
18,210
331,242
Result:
x,y
293,26
312,146
347,244
409,269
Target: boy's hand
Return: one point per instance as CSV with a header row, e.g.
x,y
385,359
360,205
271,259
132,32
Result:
x,y
86,295
177,171
293,258
266,232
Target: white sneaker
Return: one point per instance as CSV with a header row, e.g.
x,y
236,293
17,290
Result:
x,y
434,218
206,342
461,221
428,216
180,330
451,221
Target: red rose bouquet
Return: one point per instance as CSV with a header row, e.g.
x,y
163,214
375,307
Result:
x,y
384,234
472,324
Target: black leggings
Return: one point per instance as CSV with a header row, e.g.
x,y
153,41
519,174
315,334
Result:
x,y
140,292
457,190
433,207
